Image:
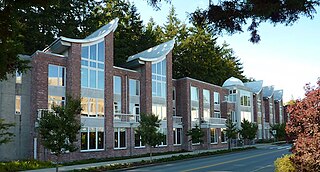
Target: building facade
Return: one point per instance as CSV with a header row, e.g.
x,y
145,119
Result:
x,y
112,99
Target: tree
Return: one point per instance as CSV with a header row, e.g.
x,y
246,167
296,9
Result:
x,y
196,134
304,125
5,135
149,131
280,131
248,130
231,16
59,128
231,131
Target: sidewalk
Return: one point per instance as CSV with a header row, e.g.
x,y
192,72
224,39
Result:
x,y
81,166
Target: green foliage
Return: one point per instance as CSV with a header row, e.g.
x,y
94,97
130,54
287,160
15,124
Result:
x,y
304,126
149,130
196,135
59,129
281,131
13,166
248,130
5,135
284,164
231,131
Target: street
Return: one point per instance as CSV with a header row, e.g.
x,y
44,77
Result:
x,y
259,160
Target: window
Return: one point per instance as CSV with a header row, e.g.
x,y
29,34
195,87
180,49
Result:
x,y
92,107
18,77
92,138
213,135
216,114
246,115
164,132
159,80
160,110
177,136
137,140
223,135
92,66
194,113
119,138
134,87
56,75
216,98
194,94
245,98
233,116
206,104
232,95
117,94
55,101
18,105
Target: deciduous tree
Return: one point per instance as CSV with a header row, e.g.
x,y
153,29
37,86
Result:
x,y
304,125
59,128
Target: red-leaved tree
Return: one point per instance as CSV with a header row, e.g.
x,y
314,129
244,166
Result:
x,y
304,126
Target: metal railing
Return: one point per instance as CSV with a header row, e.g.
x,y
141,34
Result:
x,y
128,118
217,120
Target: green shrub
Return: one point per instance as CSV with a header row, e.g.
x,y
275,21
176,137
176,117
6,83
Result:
x,y
24,165
284,164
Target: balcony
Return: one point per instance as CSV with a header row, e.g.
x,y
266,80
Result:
x,y
126,120
177,121
213,123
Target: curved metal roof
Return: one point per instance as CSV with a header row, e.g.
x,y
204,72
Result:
x,y
98,34
255,86
232,81
267,91
278,95
156,53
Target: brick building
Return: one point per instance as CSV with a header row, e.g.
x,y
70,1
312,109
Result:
x,y
112,99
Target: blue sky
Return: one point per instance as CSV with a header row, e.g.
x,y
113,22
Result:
x,y
286,57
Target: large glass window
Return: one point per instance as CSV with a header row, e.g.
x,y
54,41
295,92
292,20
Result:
x,y
245,98
137,140
119,138
194,103
160,110
223,135
18,77
232,95
117,94
92,107
177,136
246,115
134,87
55,101
92,66
56,75
164,132
92,138
194,94
206,104
18,105
213,135
159,81
216,98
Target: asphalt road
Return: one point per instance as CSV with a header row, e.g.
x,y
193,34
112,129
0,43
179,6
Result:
x,y
259,160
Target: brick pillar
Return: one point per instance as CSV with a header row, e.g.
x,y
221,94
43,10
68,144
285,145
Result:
x,y
74,71
108,91
146,88
169,102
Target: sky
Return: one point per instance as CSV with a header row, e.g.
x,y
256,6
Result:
x,y
287,57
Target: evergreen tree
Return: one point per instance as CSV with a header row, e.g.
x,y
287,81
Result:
x,y
149,131
231,131
196,135
248,130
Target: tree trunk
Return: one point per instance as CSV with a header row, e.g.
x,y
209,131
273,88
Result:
x,y
150,151
229,144
57,163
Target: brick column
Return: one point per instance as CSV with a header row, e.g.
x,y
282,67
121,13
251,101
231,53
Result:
x,y
74,71
146,88
169,102
108,91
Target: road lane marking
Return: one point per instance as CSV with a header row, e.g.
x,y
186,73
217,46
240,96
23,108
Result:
x,y
270,165
235,160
